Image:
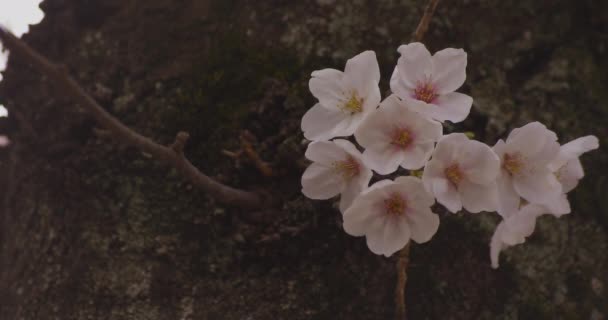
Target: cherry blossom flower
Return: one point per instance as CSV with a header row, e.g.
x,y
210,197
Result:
x,y
525,158
428,82
345,98
389,213
462,173
337,168
394,135
514,230
566,166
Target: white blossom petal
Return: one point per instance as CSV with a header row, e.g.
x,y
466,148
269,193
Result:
x,y
394,235
453,106
508,199
570,174
533,140
537,186
449,69
449,198
363,72
321,123
384,159
348,195
325,152
415,191
320,182
423,224
327,86
417,156
477,197
414,65
479,163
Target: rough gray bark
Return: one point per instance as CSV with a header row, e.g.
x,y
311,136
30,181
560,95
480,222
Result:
x,y
93,229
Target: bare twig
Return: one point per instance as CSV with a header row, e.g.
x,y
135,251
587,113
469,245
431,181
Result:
x,y
172,155
247,140
403,256
423,25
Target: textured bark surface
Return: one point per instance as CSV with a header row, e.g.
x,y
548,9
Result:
x,y
94,230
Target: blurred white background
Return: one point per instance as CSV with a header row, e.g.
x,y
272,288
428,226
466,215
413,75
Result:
x,y
17,15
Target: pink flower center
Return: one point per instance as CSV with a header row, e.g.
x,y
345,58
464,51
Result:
x,y
401,138
513,163
454,174
395,205
425,91
348,168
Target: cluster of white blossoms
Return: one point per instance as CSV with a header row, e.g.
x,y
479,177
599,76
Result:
x,y
521,178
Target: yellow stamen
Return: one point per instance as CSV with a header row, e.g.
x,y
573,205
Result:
x,y
425,92
348,168
454,174
512,163
395,205
402,138
354,104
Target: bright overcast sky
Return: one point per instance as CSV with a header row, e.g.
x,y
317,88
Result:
x,y
16,15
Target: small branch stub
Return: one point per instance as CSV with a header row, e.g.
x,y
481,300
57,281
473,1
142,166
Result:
x,y
180,142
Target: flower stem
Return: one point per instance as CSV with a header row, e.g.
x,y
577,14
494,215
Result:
x,y
403,259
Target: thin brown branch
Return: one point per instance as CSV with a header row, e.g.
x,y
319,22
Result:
x,y
423,25
403,259
403,256
172,155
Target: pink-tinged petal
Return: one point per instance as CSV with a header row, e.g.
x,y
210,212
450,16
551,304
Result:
x,y
361,215
320,182
453,106
448,147
327,85
374,129
570,174
415,64
499,148
496,245
449,69
348,147
398,87
423,224
558,206
477,198
391,237
362,72
433,170
371,100
348,195
447,196
415,157
325,152
426,110
531,139
537,187
426,130
521,225
479,163
384,159
321,123
415,191
573,150
576,148
508,199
